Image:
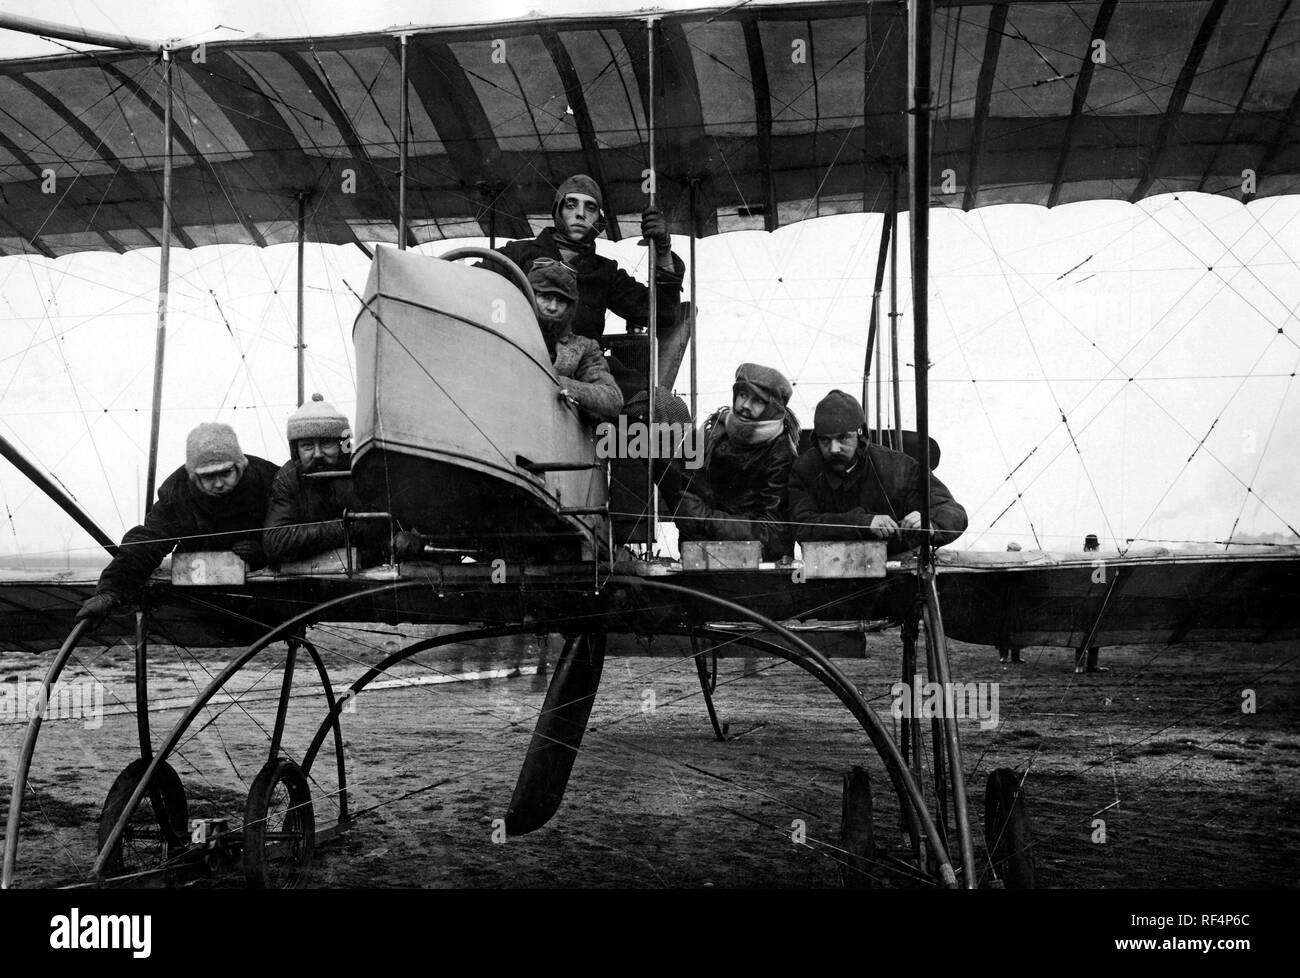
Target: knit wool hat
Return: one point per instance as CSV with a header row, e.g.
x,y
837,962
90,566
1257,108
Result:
x,y
579,183
836,413
211,447
554,278
318,418
668,407
767,382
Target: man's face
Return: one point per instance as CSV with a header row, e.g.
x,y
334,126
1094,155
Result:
x,y
319,454
838,450
220,482
552,312
578,216
748,405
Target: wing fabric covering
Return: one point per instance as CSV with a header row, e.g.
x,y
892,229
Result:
x,y
774,114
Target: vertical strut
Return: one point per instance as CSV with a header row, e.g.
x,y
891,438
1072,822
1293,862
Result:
x,y
918,205
873,330
893,317
652,511
694,376
402,111
302,247
164,274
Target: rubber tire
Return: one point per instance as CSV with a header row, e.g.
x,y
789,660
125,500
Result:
x,y
856,837
298,819
1006,830
167,795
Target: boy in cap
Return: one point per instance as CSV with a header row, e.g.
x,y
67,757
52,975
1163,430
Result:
x,y
305,516
847,489
738,493
215,501
579,217
585,379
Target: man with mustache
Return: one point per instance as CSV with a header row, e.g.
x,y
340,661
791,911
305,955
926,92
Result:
x,y
312,491
579,217
738,493
846,489
585,379
215,501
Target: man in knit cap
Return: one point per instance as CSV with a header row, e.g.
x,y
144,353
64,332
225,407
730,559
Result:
x,y
585,379
579,217
312,490
215,501
846,489
738,492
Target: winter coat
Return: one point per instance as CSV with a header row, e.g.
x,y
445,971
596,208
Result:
x,y
602,285
738,493
580,361
305,516
827,506
187,519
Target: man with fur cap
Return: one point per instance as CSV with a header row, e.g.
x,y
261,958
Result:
x,y
215,501
585,379
846,489
738,492
312,491
579,217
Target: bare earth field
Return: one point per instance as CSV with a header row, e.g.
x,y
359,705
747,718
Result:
x,y
1193,791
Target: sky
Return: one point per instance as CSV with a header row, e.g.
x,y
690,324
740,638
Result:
x,y
1163,333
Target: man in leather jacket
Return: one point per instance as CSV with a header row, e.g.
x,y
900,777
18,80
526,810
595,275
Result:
x,y
738,493
846,489
215,501
579,218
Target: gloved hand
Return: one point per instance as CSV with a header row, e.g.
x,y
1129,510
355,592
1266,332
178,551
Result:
x,y
407,545
655,226
96,609
251,552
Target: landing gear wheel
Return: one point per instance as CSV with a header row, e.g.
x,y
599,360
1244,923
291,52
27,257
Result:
x,y
855,832
1006,831
279,827
156,830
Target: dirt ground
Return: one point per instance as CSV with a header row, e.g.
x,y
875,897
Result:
x,y
1149,775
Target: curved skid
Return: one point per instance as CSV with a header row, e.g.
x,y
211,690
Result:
x,y
29,747
806,657
182,724
330,705
377,670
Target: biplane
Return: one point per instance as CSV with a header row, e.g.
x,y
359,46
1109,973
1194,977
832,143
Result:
x,y
744,118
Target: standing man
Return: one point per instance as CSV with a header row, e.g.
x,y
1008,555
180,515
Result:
x,y
1085,659
585,380
215,501
738,493
579,217
1011,651
847,489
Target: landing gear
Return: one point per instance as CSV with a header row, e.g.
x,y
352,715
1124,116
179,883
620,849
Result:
x,y
279,827
1006,831
856,841
157,830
